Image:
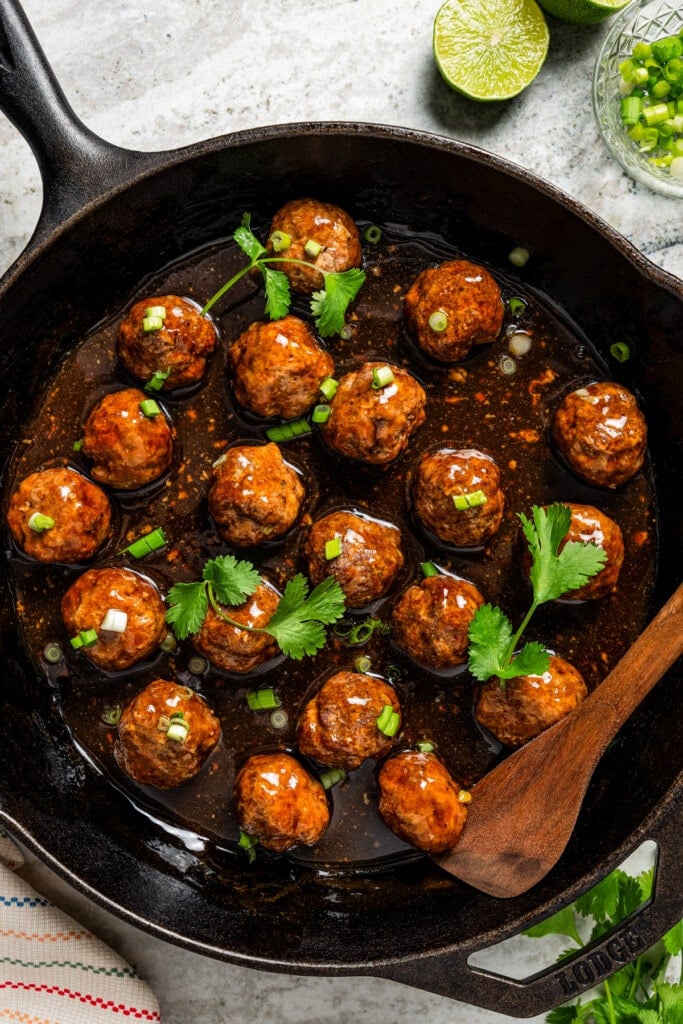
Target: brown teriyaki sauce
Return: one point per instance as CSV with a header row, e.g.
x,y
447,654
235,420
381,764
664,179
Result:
x,y
472,404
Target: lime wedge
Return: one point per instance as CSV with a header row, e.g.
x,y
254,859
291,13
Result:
x,y
490,49
583,12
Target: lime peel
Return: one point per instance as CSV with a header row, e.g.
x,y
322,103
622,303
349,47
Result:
x,y
490,49
583,12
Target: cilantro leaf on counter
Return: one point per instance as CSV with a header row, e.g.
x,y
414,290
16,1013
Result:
x,y
328,306
553,572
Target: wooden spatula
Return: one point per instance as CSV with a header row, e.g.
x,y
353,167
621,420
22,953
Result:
x,y
523,812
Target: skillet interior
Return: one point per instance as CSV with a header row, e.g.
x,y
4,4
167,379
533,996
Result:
x,y
305,921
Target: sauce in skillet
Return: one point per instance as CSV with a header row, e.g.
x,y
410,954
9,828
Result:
x,y
471,404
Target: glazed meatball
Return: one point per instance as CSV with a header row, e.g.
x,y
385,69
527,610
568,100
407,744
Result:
x,y
128,449
79,511
324,225
601,432
87,602
339,725
233,649
180,346
528,705
279,803
278,368
591,526
254,495
370,558
420,802
374,424
448,478
145,750
469,300
431,620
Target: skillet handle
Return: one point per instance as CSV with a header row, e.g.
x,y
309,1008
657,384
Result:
x,y
450,974
76,166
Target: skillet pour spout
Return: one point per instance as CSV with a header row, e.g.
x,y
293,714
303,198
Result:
x,y
112,217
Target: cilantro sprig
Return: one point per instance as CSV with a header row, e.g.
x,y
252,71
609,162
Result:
x,y
553,572
328,306
297,624
636,994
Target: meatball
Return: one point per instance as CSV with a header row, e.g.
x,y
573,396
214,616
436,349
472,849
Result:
x,y
369,561
179,348
152,753
254,495
339,725
471,309
528,705
79,511
320,224
431,620
87,602
279,803
128,449
420,802
374,424
233,649
602,433
589,525
447,479
278,368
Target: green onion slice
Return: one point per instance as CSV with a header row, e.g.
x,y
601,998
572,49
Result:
x,y
621,351
329,386
39,522
331,777
86,638
152,323
177,730
146,544
156,381
424,746
516,306
111,714
469,500
263,700
280,241
52,653
77,446
362,664
159,311
312,248
372,234
429,569
519,256
249,844
149,408
287,431
438,321
279,719
333,548
321,413
381,376
388,721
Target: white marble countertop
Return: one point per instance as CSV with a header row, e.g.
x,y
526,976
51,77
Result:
x,y
156,76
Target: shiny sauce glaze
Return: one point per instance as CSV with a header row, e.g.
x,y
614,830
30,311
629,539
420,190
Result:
x,y
472,404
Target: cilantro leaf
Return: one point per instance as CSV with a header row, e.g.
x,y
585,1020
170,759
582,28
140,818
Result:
x,y
490,634
561,923
247,240
646,880
298,621
630,897
232,581
673,939
278,294
602,900
329,305
553,574
565,1015
532,660
188,607
670,998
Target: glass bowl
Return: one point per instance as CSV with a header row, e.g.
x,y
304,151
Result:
x,y
642,20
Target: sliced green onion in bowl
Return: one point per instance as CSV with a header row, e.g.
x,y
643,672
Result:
x,y
38,522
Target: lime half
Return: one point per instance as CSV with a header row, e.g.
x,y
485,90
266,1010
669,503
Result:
x,y
490,49
583,12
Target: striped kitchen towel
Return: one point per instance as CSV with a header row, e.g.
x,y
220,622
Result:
x,y
52,971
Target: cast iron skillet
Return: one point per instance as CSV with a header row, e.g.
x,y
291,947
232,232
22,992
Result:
x,y
109,217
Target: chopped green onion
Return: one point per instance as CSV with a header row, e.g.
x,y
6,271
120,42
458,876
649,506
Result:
x,y
392,673
39,522
347,332
630,110
111,714
429,569
196,665
115,621
146,544
342,628
156,381
169,643
472,499
660,90
149,408
621,351
381,376
516,306
152,323
86,638
321,413
507,365
328,387
177,730
666,49
464,797
77,446
333,548
639,76
287,431
372,234
52,653
362,664
388,721
249,844
438,321
655,114
424,746
263,700
280,241
519,256
279,719
642,50
159,311
163,723
312,248
331,777
519,344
